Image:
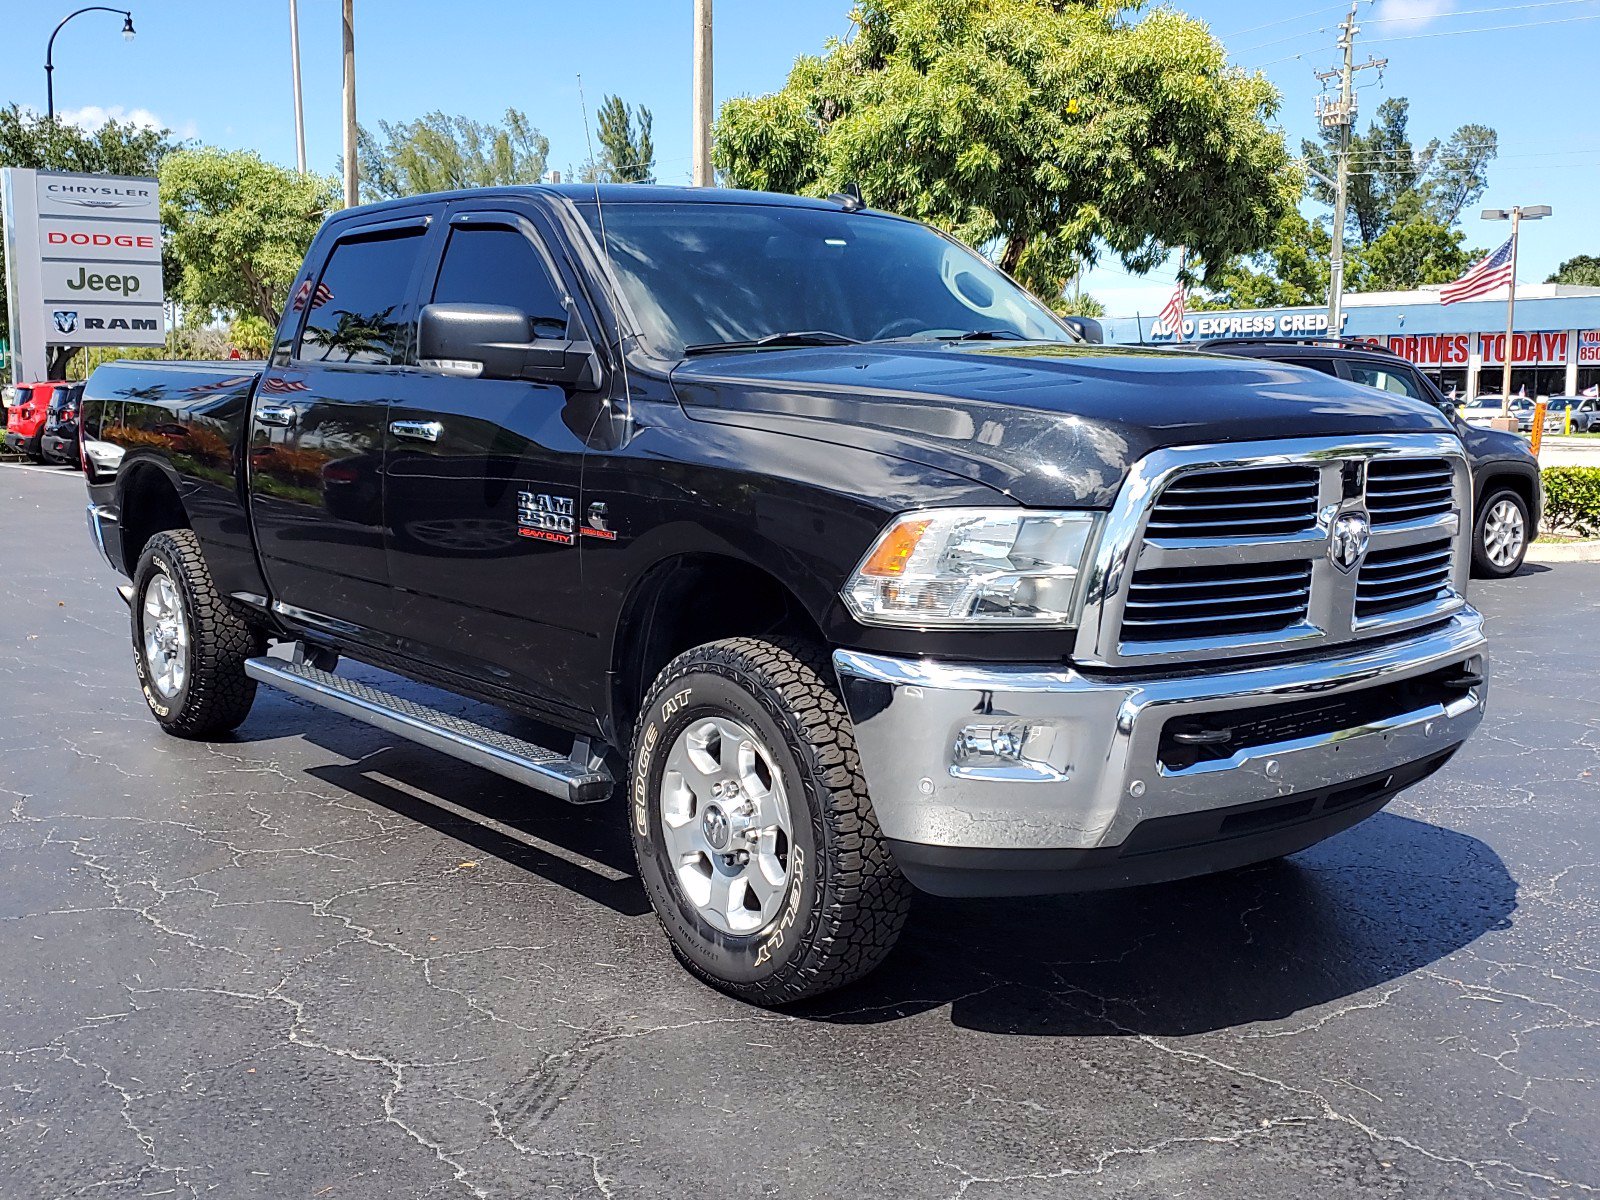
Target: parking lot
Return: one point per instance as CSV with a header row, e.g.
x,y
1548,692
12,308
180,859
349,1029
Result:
x,y
316,961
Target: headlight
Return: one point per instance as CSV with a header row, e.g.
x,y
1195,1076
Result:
x,y
975,567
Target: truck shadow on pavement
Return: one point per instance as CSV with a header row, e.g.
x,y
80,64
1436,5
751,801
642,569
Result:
x,y
1366,908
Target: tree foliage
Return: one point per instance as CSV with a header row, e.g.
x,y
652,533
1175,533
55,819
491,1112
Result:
x,y
1291,272
239,227
1581,271
628,154
1411,253
115,148
441,153
1391,180
1041,130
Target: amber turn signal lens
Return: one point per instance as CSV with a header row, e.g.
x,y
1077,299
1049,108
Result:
x,y
892,553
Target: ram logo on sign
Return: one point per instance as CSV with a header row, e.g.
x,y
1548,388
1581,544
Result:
x,y
83,263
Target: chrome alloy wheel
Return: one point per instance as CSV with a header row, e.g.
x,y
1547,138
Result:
x,y
1503,533
166,635
725,821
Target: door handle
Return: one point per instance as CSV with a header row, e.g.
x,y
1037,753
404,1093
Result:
x,y
417,431
281,415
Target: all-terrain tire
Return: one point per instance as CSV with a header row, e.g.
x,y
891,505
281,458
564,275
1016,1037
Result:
x,y
216,694
1484,566
845,901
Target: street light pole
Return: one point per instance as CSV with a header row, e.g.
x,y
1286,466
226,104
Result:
x,y
352,176
1516,215
299,110
50,51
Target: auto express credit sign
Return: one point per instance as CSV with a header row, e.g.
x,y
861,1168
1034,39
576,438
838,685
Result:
x,y
83,263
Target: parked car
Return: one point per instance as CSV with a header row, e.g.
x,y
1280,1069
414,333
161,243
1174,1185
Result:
x,y
831,555
59,440
1582,408
1505,474
25,419
1484,409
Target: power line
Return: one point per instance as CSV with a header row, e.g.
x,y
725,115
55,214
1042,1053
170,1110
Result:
x,y
1316,12
1475,12
1411,37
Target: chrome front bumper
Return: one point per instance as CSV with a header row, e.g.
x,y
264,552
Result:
x,y
1090,770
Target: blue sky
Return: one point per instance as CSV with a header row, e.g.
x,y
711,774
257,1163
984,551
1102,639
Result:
x,y
219,71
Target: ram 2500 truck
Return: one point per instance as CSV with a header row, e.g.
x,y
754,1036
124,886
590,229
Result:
x,y
840,562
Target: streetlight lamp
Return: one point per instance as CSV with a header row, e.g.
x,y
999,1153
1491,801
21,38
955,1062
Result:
x,y
50,50
1516,215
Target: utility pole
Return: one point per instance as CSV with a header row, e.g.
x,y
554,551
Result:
x,y
701,117
1340,114
352,190
299,109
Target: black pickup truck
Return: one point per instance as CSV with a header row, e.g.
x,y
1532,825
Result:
x,y
840,560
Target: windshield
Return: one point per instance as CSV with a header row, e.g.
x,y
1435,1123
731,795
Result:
x,y
701,273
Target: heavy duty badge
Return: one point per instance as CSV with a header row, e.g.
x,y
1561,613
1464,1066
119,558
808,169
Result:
x,y
545,517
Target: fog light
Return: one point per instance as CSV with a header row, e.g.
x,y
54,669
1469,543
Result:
x,y
1019,750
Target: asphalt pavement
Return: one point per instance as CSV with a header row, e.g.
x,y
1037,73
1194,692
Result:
x,y
313,961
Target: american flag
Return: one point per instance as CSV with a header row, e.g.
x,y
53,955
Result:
x,y
1491,272
1172,315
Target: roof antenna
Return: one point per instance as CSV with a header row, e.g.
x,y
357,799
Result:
x,y
605,250
850,198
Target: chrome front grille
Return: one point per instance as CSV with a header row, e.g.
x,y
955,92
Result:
x,y
1392,580
1179,603
1247,502
1212,552
1404,489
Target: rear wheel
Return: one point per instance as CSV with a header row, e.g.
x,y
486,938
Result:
x,y
189,643
755,837
1500,535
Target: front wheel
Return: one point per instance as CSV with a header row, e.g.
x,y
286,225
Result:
x,y
189,643
755,838
1500,535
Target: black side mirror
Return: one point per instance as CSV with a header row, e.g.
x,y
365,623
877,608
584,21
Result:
x,y
1087,328
496,341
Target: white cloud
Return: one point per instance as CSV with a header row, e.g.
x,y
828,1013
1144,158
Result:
x,y
1405,16
91,116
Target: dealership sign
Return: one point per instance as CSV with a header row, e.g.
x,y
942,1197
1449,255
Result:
x,y
1588,346
83,262
1231,325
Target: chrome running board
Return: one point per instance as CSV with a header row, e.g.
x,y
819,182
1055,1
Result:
x,y
577,779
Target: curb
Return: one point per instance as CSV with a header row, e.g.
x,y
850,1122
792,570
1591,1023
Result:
x,y
1588,551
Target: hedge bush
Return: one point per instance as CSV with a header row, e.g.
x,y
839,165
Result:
x,y
1572,499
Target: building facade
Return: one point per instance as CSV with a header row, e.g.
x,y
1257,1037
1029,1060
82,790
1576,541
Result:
x,y
1555,348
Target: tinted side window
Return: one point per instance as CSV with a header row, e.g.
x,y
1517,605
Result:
x,y
1385,381
360,307
497,265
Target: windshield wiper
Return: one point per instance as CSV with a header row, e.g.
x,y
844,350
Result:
x,y
985,335
777,341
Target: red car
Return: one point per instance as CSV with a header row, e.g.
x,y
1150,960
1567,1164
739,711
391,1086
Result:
x,y
25,420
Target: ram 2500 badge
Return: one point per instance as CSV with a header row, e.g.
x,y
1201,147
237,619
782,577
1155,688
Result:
x,y
834,560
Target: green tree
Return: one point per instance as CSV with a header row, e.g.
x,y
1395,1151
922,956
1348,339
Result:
x,y
1582,271
239,227
251,335
1042,130
629,155
1412,252
1290,272
116,148
442,153
1391,180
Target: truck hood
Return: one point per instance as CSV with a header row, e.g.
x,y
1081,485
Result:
x,y
1048,423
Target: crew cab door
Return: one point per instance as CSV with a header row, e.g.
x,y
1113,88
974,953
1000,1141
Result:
x,y
318,425
483,480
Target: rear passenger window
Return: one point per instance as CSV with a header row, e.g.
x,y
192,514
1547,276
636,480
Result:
x,y
487,264
359,310
1325,365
